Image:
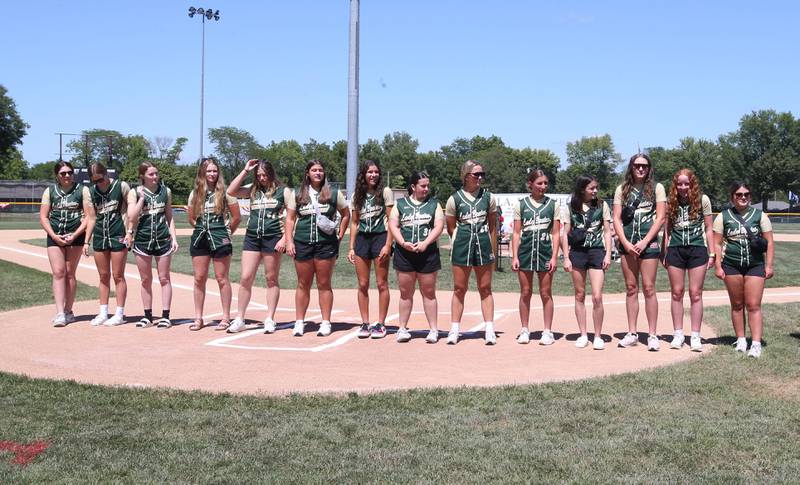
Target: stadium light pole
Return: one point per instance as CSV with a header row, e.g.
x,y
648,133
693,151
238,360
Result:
x,y
352,100
204,14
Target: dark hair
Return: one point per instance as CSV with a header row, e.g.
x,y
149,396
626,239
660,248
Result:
x,y
627,184
736,185
143,169
534,174
97,168
362,187
414,180
325,192
267,167
59,165
576,203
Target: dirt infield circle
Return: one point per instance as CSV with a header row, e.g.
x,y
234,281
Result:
x,y
254,363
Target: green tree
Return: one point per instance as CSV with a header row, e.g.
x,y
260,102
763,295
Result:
x,y
41,171
12,130
399,156
287,158
593,155
12,166
233,147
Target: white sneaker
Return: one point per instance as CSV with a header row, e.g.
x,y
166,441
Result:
x,y
98,320
324,329
677,341
696,344
299,328
114,321
582,341
433,337
741,345
629,340
59,320
547,338
403,335
652,343
269,325
755,351
69,317
524,336
452,337
598,344
488,335
236,326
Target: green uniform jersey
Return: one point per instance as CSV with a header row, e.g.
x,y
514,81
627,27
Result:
x,y
266,213
372,215
209,224
305,229
593,225
536,245
472,245
109,207
416,219
66,208
735,243
152,231
644,215
688,231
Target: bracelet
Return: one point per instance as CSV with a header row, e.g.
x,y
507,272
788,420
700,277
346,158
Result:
x,y
712,255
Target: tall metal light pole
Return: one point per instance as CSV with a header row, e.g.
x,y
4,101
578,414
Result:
x,y
352,100
204,14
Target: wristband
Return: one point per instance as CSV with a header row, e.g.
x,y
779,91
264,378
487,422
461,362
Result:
x,y
712,255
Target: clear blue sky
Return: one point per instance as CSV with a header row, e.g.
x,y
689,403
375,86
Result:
x,y
535,73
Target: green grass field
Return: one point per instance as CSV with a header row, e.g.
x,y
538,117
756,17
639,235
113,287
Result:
x,y
721,418
787,264
22,287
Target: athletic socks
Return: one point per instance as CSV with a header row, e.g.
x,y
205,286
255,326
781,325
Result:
x,y
120,311
454,327
755,344
104,310
148,314
165,314
696,334
743,340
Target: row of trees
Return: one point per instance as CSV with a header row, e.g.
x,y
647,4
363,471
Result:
x,y
765,150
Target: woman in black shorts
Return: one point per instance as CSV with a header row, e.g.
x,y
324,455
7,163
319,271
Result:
x,y
739,234
313,236
371,241
65,213
416,222
687,229
265,238
215,216
587,250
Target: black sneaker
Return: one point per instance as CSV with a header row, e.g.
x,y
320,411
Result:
x,y
364,331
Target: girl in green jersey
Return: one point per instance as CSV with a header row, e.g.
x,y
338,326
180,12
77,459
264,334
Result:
x,y
215,216
265,238
687,252
638,243
370,241
65,213
471,215
743,267
537,225
151,215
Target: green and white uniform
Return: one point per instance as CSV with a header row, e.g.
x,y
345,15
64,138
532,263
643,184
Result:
x,y
643,216
152,231
109,207
372,217
416,219
593,227
305,229
210,226
735,243
536,219
472,245
687,231
66,207
267,213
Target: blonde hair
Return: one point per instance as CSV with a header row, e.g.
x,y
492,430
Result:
x,y
200,188
467,167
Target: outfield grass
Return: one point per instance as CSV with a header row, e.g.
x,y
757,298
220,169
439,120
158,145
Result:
x,y
787,265
721,418
22,287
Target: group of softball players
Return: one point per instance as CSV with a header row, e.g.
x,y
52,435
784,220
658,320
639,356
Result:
x,y
308,223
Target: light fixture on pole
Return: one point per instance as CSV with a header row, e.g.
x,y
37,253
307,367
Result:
x,y
204,14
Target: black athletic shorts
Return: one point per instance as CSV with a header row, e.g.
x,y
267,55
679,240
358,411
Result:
x,y
410,262
652,251
687,257
203,248
752,270
79,241
260,244
142,250
320,250
590,258
368,246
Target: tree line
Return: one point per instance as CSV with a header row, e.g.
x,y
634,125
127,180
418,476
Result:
x,y
764,150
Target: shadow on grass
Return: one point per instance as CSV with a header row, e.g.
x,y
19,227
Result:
x,y
795,335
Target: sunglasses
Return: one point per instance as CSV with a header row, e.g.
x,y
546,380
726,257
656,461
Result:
x,y
741,195
479,175
65,173
641,166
